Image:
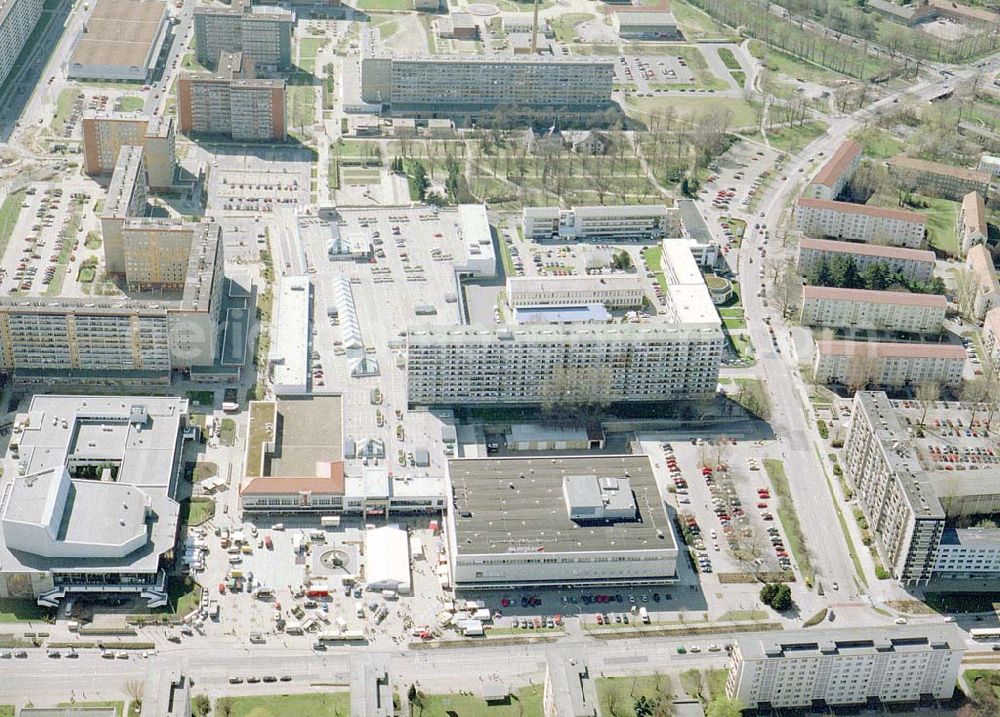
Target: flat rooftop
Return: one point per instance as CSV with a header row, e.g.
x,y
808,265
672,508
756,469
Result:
x,y
869,640
120,32
290,349
517,504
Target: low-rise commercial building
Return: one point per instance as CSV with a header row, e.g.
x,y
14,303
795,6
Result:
x,y
972,221
17,21
872,310
859,222
861,364
121,41
92,508
830,181
264,32
983,275
614,291
233,102
939,180
912,264
570,690
469,85
523,22
533,363
614,224
477,238
574,521
868,666
288,363
458,26
105,134
126,197
633,24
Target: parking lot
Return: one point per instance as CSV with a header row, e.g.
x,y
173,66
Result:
x,y
650,73
257,179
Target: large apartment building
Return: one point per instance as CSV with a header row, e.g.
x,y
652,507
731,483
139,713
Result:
x,y
872,310
126,197
472,84
889,365
860,222
136,340
983,275
829,182
991,340
939,180
615,291
639,222
17,21
264,32
158,252
233,102
972,221
913,264
535,363
105,134
864,666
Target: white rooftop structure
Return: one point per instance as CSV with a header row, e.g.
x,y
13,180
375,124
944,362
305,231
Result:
x,y
387,559
688,299
474,226
290,347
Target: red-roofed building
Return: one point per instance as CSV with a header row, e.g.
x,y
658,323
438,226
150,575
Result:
x,y
972,221
830,180
914,264
859,222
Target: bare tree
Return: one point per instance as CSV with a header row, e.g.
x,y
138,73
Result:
x,y
975,392
135,690
928,392
966,290
862,372
614,701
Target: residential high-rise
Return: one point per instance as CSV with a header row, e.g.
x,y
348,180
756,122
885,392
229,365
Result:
x,y
126,198
233,102
847,666
17,21
473,84
105,134
859,222
536,363
872,310
264,32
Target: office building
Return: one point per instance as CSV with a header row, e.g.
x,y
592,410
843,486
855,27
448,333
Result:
x,y
859,222
477,239
830,181
939,180
92,507
863,666
912,264
872,310
991,340
121,41
968,554
983,275
536,362
866,364
264,32
18,19
633,24
688,297
133,341
614,224
233,102
471,85
570,521
105,134
570,690
126,197
972,221
614,291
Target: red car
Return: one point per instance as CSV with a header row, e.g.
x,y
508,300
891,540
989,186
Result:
x,y
222,588
762,505
600,620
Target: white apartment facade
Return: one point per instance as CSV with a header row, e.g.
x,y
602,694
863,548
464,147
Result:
x,y
914,264
641,223
849,666
831,179
872,310
615,291
859,222
979,265
991,339
968,554
532,363
888,365
126,197
972,221
18,19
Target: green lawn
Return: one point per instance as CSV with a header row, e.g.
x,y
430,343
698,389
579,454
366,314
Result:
x,y
308,48
622,692
793,139
9,212
564,26
727,56
64,105
526,702
703,76
301,106
741,113
200,510
653,257
879,144
332,704
183,595
982,680
692,22
201,398
12,610
376,5
6,710
227,432
942,221
205,470
739,77
788,517
789,66
130,103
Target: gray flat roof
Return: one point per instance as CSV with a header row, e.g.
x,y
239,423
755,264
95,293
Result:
x,y
850,641
533,512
